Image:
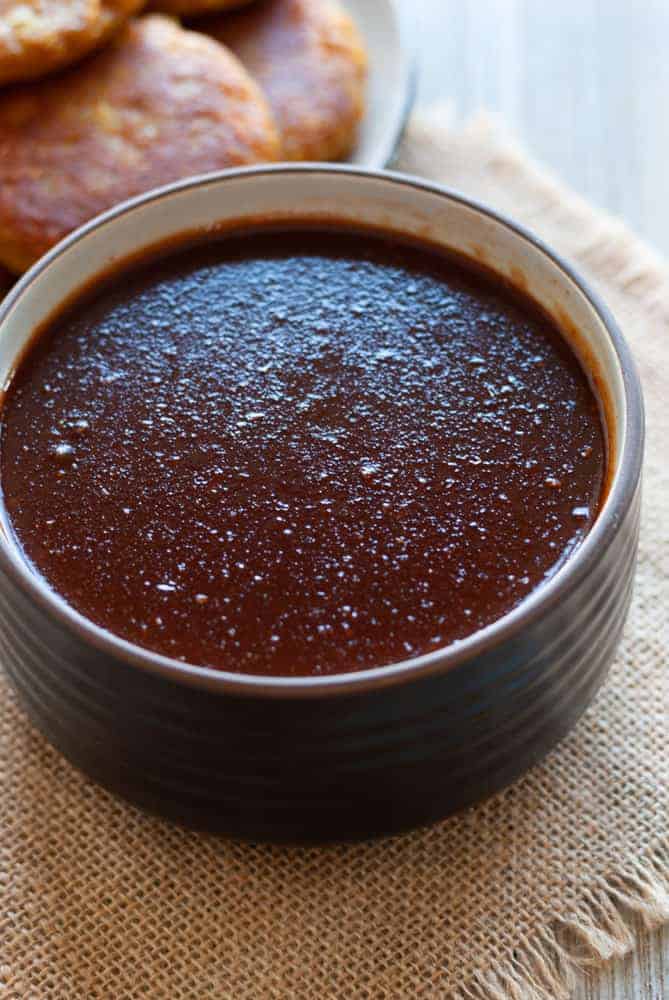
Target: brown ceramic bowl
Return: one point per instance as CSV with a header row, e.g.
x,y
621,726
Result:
x,y
355,754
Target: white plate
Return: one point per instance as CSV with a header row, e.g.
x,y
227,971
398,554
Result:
x,y
390,85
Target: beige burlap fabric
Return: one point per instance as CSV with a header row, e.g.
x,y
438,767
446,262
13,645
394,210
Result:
x,y
100,901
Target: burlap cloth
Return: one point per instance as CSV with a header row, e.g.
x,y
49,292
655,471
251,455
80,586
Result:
x,y
100,901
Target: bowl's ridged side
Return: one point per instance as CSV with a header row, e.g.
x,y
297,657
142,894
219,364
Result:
x,y
338,765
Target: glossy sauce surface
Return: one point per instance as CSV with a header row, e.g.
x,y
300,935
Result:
x,y
299,452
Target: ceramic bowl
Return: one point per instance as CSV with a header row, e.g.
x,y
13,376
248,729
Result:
x,y
357,754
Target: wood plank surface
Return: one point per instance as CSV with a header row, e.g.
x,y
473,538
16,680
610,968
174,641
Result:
x,y
585,85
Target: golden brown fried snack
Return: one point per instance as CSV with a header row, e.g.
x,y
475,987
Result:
x,y
191,8
40,36
159,104
311,62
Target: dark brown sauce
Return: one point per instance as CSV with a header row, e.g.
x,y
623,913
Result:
x,y
299,452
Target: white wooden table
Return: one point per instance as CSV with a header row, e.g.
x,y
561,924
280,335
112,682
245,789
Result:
x,y
585,84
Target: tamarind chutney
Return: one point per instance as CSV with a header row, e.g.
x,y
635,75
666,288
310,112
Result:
x,y
299,450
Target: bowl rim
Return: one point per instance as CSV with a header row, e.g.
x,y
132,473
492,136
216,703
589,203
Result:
x,y
536,604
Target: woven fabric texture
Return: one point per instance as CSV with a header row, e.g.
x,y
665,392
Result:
x,y
99,901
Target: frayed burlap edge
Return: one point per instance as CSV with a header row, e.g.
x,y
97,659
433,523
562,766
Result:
x,y
547,964
603,927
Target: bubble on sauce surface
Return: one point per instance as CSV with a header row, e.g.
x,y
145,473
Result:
x,y
279,439
64,452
